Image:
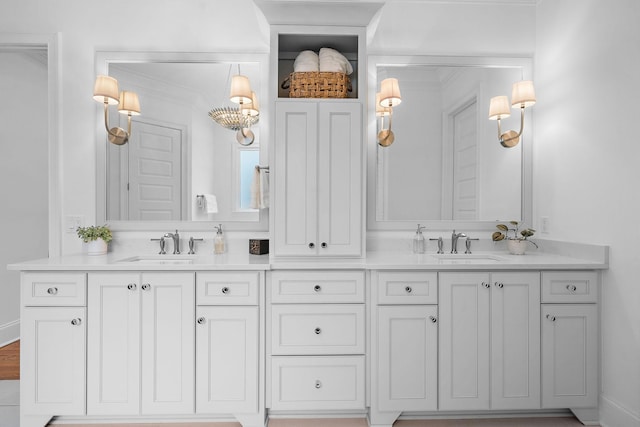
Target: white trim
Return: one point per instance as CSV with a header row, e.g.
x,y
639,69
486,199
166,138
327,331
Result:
x,y
613,414
9,332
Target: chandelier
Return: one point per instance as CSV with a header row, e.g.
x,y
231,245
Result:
x,y
241,118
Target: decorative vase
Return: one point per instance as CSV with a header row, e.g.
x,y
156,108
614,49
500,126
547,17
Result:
x,y
516,246
96,247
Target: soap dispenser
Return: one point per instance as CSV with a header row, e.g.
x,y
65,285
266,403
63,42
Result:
x,y
418,241
219,245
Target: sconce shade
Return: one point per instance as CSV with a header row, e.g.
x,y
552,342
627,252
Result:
x,y
380,110
105,89
252,108
499,108
390,92
523,94
240,90
129,103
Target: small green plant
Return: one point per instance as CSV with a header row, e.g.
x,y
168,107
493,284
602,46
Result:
x,y
517,234
94,232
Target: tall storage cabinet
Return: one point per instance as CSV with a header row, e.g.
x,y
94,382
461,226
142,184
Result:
x,y
318,178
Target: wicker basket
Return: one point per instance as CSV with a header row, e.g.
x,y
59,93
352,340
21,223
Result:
x,y
317,84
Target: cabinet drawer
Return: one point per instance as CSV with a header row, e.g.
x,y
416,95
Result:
x,y
317,329
570,287
317,286
407,287
317,383
227,288
56,289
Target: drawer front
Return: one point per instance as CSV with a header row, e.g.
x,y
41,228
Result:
x,y
317,383
227,288
317,286
570,287
407,287
317,329
54,289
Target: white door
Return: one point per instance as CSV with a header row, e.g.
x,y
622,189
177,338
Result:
x,y
113,344
340,179
465,159
227,360
515,340
464,341
167,356
53,360
407,358
569,356
155,173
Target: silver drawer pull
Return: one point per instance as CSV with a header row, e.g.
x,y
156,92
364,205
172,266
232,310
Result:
x,y
317,331
572,288
486,285
550,317
131,286
500,285
317,288
408,289
201,320
146,287
225,290
318,384
52,291
433,319
77,321
323,245
312,245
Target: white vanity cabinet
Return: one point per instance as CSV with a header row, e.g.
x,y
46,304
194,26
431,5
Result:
x,y
53,333
489,345
140,357
318,173
569,339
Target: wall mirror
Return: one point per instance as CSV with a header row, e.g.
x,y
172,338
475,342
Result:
x,y
446,168
176,153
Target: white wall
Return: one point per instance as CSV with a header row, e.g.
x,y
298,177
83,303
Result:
x,y
23,175
586,166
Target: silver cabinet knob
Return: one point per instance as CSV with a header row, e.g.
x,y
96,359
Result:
x,y
408,289
572,288
499,285
486,285
317,288
318,384
323,245
146,287
201,320
52,291
317,331
433,319
312,245
77,321
131,286
225,290
550,317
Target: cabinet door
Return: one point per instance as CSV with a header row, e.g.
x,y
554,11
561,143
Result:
x,y
52,375
113,344
167,362
340,179
464,340
407,358
515,340
227,360
295,189
569,356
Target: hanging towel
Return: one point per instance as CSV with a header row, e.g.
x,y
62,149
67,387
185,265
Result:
x,y
211,203
260,189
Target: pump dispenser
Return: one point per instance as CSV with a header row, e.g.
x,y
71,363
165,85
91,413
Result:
x,y
219,245
418,241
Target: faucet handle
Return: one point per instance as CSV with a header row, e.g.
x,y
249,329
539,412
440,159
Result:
x,y
440,244
162,245
468,245
192,244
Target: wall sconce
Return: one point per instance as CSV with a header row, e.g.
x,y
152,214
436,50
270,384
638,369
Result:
x,y
105,90
522,96
388,97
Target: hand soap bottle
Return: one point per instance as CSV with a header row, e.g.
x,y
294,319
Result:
x,y
418,241
219,245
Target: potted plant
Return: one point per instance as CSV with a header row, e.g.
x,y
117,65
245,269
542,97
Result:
x,y
96,238
517,241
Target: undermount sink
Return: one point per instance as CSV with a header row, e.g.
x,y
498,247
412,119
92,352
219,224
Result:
x,y
467,258
158,259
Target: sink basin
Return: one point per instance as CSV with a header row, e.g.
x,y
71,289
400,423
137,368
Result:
x,y
467,258
158,260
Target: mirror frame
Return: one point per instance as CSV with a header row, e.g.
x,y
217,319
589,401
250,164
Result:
x,y
102,62
375,61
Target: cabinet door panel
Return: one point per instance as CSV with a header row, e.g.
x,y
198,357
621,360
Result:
x,y
464,341
167,363
227,360
408,358
515,341
52,374
113,344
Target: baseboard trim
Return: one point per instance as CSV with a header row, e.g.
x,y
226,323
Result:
x,y
9,332
613,414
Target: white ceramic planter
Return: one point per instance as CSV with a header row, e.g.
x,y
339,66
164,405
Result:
x,y
517,247
96,247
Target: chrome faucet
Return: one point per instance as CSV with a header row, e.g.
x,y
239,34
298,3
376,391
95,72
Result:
x,y
176,241
454,241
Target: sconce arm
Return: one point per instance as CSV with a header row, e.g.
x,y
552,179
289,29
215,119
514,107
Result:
x,y
116,135
511,138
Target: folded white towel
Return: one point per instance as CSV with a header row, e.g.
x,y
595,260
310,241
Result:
x,y
332,65
260,189
211,202
328,57
307,60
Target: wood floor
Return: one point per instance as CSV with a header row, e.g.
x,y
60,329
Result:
x,y
10,361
